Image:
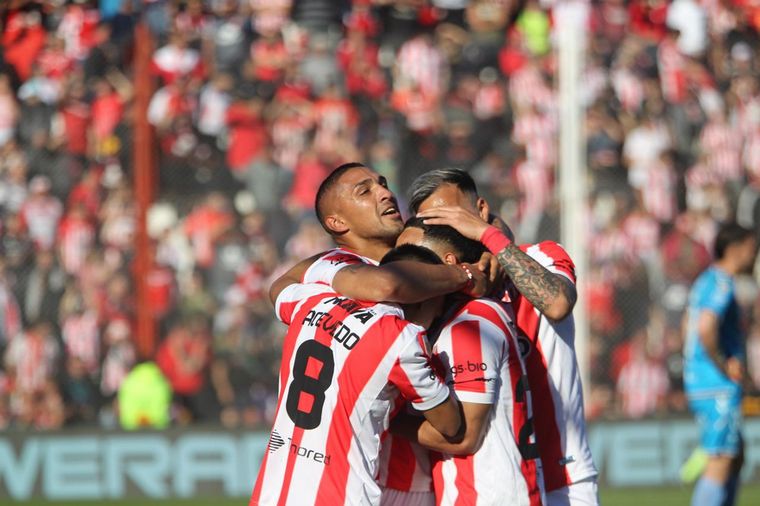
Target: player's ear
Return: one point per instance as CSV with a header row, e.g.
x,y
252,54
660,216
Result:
x,y
450,259
483,209
336,224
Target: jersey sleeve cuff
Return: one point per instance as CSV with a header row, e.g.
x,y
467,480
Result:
x,y
476,397
561,272
283,298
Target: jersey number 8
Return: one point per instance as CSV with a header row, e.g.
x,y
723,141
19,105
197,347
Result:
x,y
303,384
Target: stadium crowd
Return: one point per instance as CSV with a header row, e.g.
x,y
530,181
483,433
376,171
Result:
x,y
256,101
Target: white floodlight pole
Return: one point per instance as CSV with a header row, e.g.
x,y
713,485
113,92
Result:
x,y
571,21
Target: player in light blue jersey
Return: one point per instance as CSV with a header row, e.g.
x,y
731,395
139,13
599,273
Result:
x,y
714,365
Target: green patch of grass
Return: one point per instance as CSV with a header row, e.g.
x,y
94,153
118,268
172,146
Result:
x,y
749,495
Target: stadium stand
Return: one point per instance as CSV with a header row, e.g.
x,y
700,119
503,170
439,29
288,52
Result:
x,y
256,100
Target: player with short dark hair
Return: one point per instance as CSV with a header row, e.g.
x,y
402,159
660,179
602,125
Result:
x,y
714,370
344,363
542,291
468,251
356,208
414,252
476,350
361,214
330,181
433,181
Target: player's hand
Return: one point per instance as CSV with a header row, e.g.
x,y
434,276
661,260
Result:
x,y
480,283
734,369
497,276
463,221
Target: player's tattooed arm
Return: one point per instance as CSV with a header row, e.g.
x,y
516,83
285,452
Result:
x,y
552,294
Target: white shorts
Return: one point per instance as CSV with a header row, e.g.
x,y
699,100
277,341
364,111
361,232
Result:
x,y
390,497
580,493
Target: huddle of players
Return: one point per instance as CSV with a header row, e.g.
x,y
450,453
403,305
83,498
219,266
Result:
x,y
484,407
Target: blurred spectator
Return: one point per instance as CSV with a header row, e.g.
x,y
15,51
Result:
x,y
269,57
10,315
213,102
643,147
80,393
267,182
81,337
420,65
119,356
31,361
176,60
208,221
144,398
77,237
247,132
689,19
40,213
196,298
319,67
184,358
533,22
642,383
43,285
8,110
23,38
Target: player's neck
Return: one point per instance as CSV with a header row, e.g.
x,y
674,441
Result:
x,y
374,249
727,266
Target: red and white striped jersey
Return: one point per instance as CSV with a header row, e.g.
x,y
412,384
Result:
x,y
81,336
659,192
527,87
403,465
610,245
41,216
419,61
76,237
751,155
555,380
722,144
628,88
324,269
478,353
33,359
536,185
10,315
536,132
343,364
672,66
644,233
641,385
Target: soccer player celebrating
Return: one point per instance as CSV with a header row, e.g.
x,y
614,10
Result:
x,y
355,206
477,352
713,365
344,362
542,293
